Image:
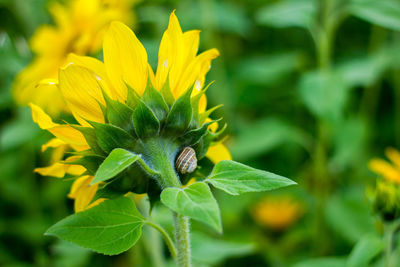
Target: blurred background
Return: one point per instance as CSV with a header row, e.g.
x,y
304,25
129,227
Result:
x,y
311,91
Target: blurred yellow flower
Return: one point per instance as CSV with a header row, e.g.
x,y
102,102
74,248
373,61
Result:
x,y
125,67
277,212
78,28
388,171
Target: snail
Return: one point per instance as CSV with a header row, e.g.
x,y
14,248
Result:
x,y
186,161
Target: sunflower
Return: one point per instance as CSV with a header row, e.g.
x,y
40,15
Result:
x,y
389,171
122,103
78,28
277,212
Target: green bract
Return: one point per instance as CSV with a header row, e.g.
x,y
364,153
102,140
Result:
x,y
140,140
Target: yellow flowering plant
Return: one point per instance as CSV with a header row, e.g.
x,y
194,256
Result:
x,y
143,132
78,28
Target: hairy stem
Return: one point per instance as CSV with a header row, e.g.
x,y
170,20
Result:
x,y
166,237
182,239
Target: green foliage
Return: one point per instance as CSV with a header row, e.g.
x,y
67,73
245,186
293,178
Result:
x,y
365,250
236,178
145,121
109,228
117,161
195,201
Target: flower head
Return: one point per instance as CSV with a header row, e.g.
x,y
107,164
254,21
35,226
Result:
x,y
388,171
79,27
277,212
123,104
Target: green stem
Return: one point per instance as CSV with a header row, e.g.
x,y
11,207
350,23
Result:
x,y
162,155
182,239
391,232
166,237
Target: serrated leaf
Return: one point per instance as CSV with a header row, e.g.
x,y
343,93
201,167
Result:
x,y
365,250
236,178
110,137
144,121
156,102
111,227
195,201
118,160
180,115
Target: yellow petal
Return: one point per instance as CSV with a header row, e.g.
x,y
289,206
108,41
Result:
x,y
125,59
65,133
55,170
217,153
99,69
82,192
386,170
53,143
394,156
82,92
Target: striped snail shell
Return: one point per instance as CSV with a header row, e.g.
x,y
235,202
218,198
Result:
x,y
186,161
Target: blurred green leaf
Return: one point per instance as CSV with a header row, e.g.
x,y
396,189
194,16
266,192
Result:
x,y
267,70
110,228
195,201
269,133
348,215
324,93
349,143
212,251
325,262
385,13
235,178
68,254
288,13
365,250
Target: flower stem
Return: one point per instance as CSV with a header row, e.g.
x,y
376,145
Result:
x,y
182,237
162,153
391,232
166,237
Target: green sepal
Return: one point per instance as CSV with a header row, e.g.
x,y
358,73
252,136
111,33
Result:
x,y
180,115
132,97
155,101
145,121
206,114
90,137
166,93
111,227
116,162
90,162
192,137
118,113
110,137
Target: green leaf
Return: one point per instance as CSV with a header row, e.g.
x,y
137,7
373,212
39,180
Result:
x,y
195,201
385,13
193,136
118,160
166,93
110,137
180,115
111,227
145,121
155,101
300,13
365,250
236,178
212,251
325,262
